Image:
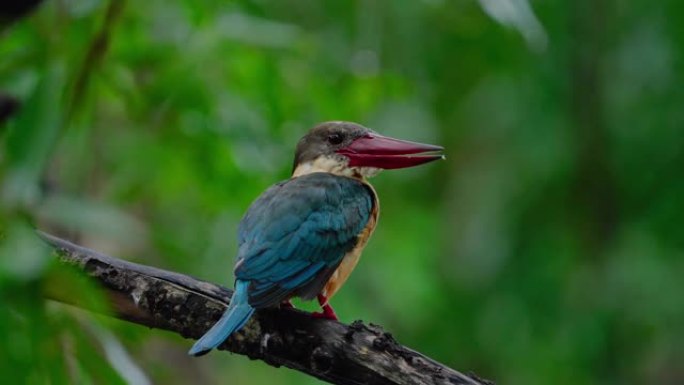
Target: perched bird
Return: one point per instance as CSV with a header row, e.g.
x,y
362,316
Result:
x,y
302,237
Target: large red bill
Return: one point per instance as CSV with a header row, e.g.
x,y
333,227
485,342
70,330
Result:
x,y
373,150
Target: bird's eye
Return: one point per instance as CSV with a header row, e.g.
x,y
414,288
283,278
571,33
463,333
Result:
x,y
335,139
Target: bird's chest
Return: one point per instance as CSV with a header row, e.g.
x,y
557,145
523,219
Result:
x,y
339,277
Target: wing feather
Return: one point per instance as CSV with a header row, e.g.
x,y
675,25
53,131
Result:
x,y
296,234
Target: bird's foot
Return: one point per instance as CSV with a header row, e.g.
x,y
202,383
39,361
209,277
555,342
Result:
x,y
328,312
287,304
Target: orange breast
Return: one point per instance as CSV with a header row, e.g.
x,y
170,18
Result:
x,y
339,277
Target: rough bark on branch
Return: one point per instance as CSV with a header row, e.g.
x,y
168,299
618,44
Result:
x,y
328,350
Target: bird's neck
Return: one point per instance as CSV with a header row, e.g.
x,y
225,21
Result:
x,y
333,166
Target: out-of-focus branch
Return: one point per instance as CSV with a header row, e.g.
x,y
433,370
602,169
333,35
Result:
x,y
328,350
594,192
96,52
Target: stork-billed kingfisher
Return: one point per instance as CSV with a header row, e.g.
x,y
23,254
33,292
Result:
x,y
302,237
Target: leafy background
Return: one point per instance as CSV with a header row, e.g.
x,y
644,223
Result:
x,y
547,249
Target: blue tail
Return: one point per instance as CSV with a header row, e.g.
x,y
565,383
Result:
x,y
235,317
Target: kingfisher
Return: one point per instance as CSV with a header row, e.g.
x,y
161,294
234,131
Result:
x,y
303,236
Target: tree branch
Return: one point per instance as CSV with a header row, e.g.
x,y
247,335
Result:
x,y
328,350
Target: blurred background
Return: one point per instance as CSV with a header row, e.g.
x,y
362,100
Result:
x,y
547,249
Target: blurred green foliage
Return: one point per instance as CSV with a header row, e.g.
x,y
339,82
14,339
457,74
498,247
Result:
x,y
547,249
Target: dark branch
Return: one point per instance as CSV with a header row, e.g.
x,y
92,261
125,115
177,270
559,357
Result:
x,y
331,351
96,53
8,107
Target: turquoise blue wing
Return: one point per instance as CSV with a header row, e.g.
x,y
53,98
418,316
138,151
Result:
x,y
296,233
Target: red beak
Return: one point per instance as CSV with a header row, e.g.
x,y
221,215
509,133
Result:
x,y
373,150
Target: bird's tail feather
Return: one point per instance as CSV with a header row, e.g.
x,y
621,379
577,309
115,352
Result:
x,y
234,318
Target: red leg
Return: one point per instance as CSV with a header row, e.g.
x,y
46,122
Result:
x,y
286,304
327,312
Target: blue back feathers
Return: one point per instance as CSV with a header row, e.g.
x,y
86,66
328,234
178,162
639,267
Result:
x,y
296,233
291,240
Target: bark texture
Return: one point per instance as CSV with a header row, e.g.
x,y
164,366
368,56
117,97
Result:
x,y
331,351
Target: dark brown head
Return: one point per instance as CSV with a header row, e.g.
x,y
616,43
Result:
x,y
350,149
